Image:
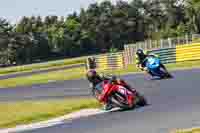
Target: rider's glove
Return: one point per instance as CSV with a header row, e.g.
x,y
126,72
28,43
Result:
x,y
145,69
140,66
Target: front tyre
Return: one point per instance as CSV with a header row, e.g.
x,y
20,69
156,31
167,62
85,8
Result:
x,y
119,101
165,73
141,100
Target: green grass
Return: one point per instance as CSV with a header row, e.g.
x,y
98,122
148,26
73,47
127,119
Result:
x,y
174,66
197,40
42,66
76,73
18,113
195,130
67,74
184,65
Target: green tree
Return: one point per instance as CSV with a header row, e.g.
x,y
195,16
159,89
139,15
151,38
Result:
x,y
193,14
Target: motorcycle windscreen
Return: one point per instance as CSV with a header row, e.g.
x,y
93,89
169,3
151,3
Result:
x,y
153,63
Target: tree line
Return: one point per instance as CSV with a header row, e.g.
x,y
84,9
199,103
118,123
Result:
x,y
102,27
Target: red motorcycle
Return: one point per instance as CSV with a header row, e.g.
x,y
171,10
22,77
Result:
x,y
118,95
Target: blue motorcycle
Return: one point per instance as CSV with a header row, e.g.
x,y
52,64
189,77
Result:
x,y
153,64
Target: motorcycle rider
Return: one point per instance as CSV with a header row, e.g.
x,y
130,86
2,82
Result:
x,y
94,78
140,57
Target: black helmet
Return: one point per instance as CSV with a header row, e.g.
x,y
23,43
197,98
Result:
x,y
140,52
141,55
91,73
93,77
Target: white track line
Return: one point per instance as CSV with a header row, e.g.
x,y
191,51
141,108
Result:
x,y
56,121
53,122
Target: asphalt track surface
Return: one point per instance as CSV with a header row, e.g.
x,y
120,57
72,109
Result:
x,y
7,76
174,103
54,90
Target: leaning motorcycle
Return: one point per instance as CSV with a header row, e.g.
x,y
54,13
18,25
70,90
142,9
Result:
x,y
119,96
153,64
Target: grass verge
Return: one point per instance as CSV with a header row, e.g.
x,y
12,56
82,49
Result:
x,y
67,74
18,113
174,66
76,73
193,130
42,66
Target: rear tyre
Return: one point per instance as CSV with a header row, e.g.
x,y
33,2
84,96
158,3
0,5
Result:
x,y
163,73
169,75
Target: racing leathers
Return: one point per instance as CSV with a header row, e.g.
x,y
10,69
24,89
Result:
x,y
141,64
104,97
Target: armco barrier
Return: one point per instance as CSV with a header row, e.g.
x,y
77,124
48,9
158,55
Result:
x,y
110,61
173,54
188,52
102,62
130,49
166,55
180,53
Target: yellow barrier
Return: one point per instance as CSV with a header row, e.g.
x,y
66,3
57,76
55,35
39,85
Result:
x,y
192,130
120,61
102,63
110,61
192,49
188,52
188,45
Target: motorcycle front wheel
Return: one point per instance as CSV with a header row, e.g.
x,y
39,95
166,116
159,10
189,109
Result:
x,y
141,100
119,101
165,74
